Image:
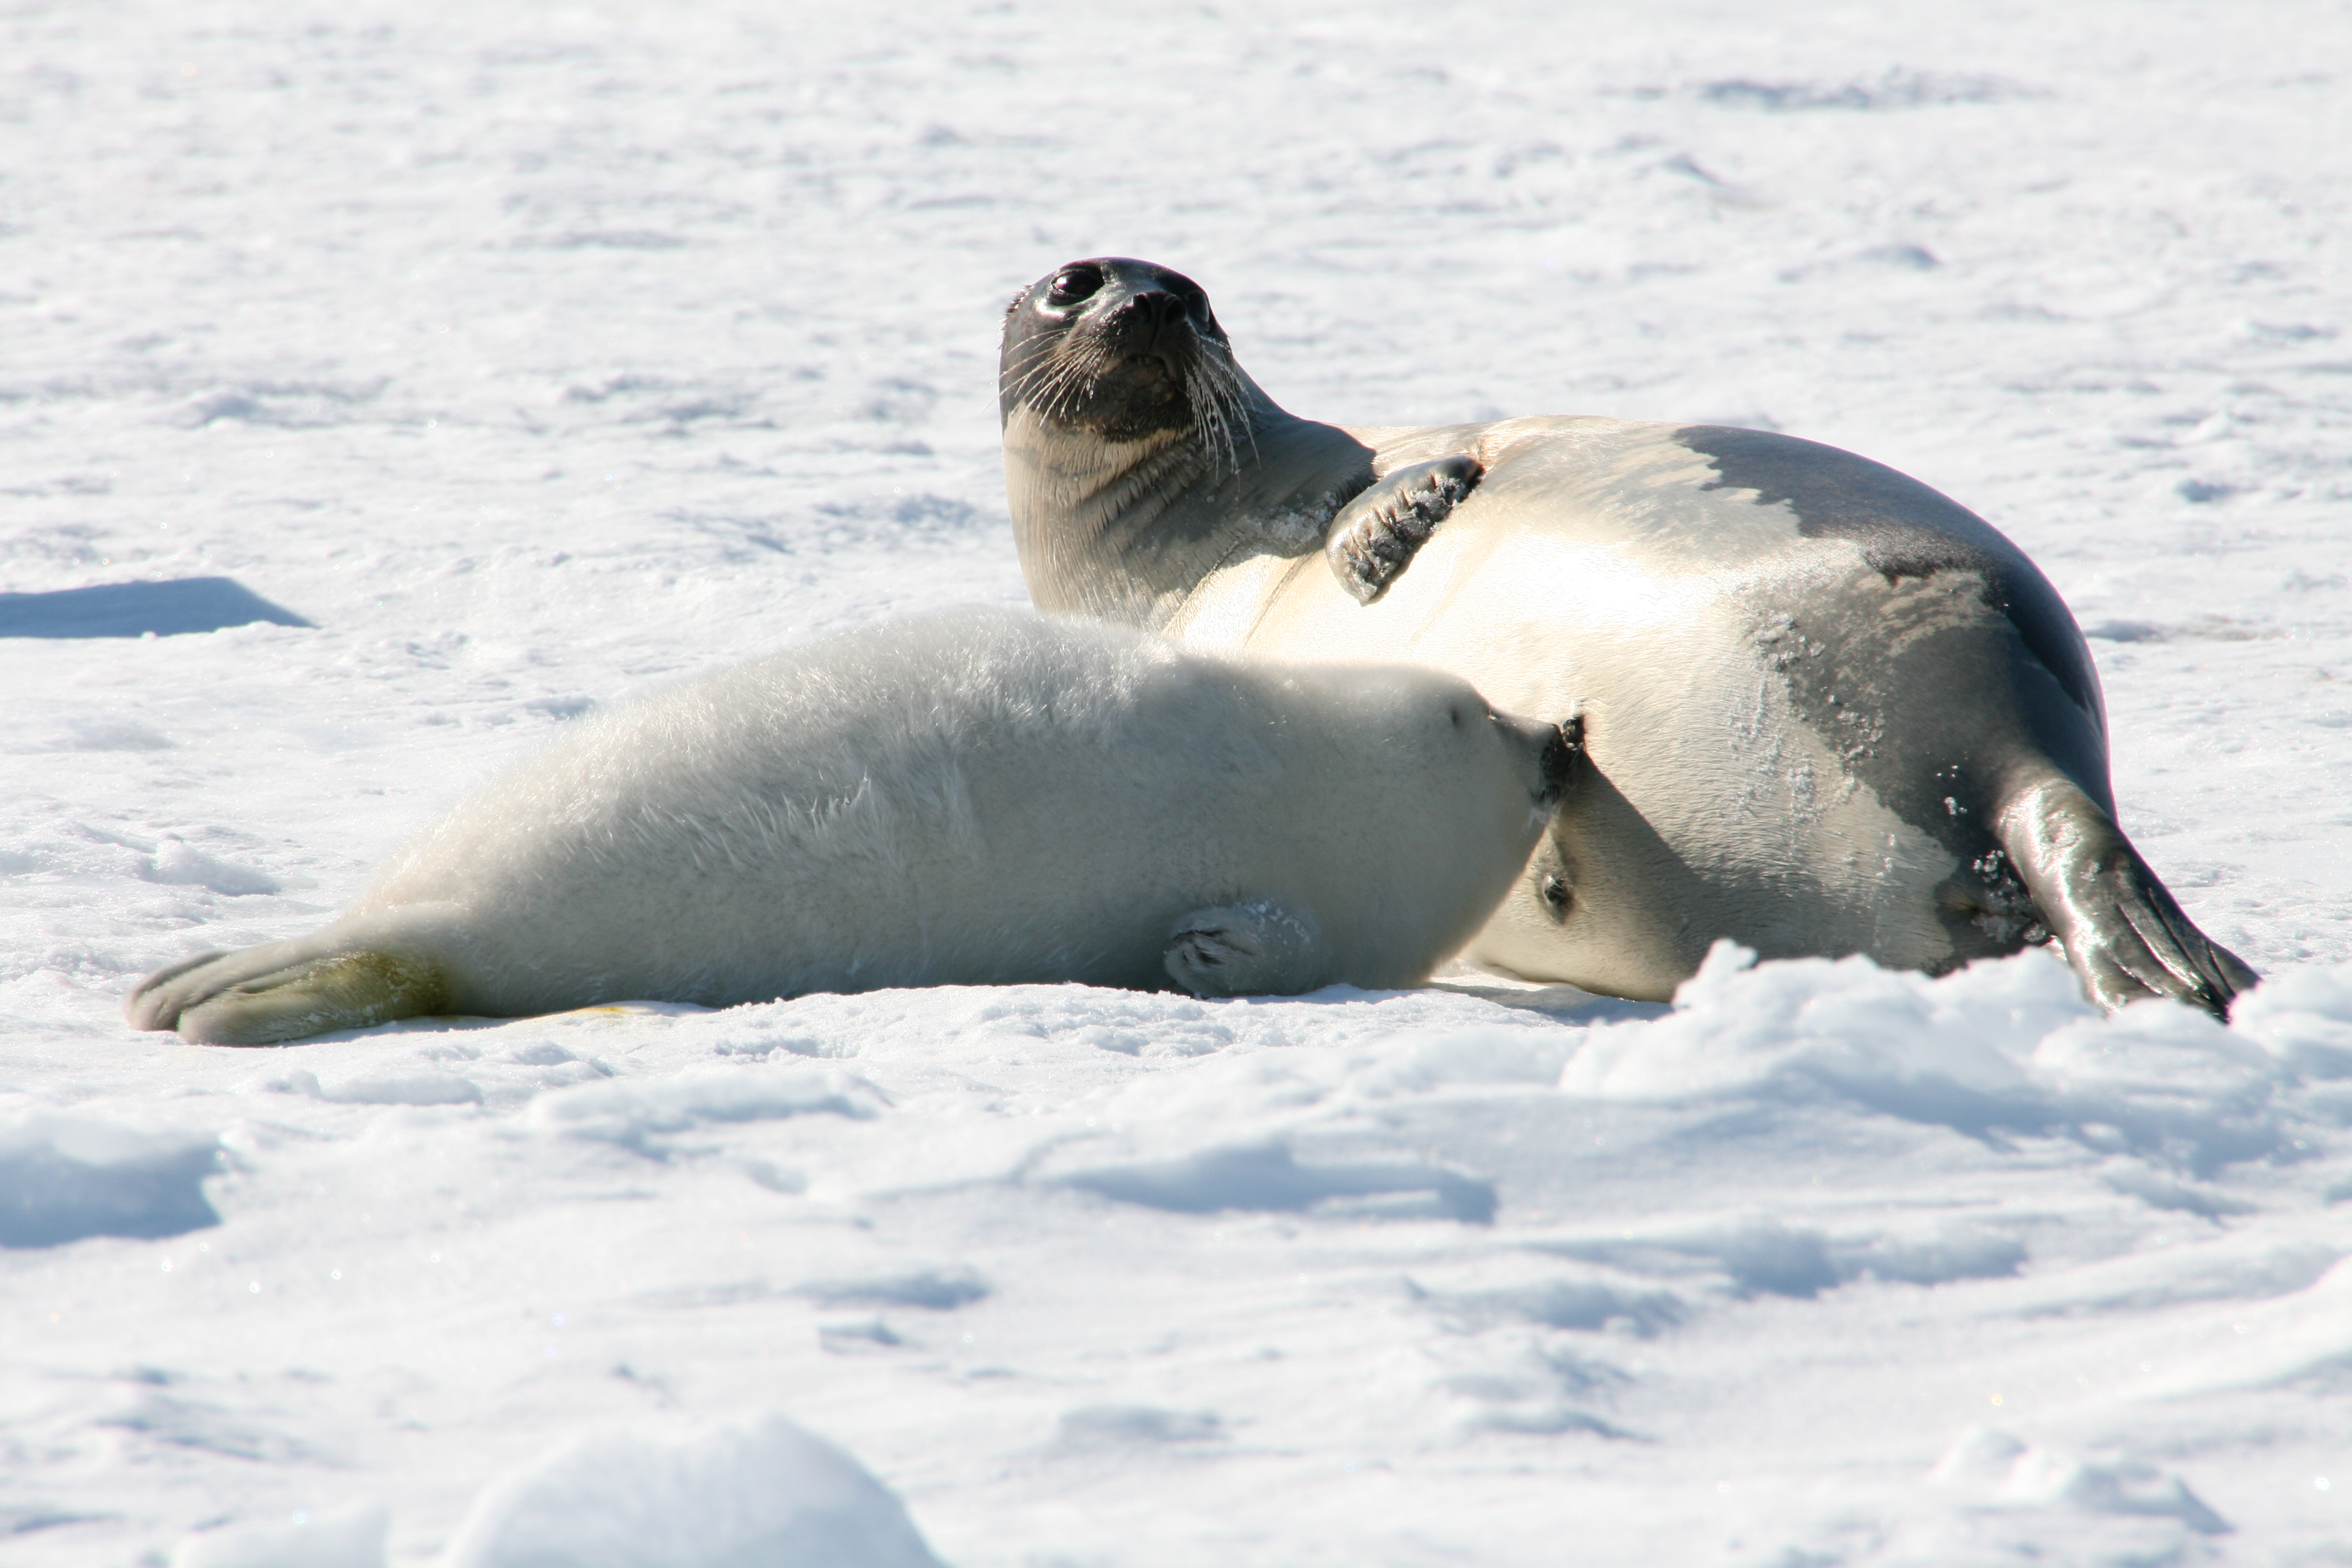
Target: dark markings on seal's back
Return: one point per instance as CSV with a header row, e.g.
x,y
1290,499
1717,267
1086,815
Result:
x,y
1906,530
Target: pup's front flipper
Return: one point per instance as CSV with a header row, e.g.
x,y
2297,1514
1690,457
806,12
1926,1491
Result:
x,y
1245,949
1374,536
284,991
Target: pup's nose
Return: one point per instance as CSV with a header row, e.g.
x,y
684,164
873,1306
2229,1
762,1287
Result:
x,y
1562,756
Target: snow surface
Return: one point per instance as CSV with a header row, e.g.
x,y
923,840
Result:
x,y
469,365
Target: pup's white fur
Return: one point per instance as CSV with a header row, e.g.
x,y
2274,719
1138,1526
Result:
x,y
979,798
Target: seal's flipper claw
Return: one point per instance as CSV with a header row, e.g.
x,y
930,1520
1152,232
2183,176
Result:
x,y
2123,931
1374,537
2241,976
155,1002
1244,950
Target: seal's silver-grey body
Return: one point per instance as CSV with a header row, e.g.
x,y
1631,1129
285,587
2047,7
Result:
x,y
974,799
1826,710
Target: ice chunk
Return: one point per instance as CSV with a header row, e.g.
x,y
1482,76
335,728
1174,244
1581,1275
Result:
x,y
421,1086
1948,1049
1266,1178
937,1290
63,1178
2002,1472
2004,1047
176,861
753,1493
1936,1258
2305,1018
1559,1303
1760,1255
629,1111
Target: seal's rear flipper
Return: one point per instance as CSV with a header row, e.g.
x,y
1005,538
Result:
x,y
1245,949
284,991
2122,931
1373,537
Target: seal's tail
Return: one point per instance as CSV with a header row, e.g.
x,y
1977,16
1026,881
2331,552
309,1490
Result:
x,y
285,990
2124,933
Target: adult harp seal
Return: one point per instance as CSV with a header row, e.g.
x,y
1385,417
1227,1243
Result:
x,y
1827,710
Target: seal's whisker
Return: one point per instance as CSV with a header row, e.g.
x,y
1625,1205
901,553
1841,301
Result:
x,y
1213,387
1058,390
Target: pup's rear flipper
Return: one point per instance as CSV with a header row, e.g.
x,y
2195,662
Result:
x,y
285,990
2122,931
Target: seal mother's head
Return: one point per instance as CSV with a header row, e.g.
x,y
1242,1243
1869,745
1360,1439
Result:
x,y
1138,457
1124,352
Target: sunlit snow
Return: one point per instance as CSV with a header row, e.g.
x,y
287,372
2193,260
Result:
x,y
386,385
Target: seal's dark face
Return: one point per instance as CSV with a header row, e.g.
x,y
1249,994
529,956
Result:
x,y
1121,349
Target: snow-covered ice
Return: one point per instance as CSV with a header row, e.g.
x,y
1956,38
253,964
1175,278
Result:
x,y
427,375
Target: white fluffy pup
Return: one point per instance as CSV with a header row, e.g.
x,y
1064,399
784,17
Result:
x,y
979,798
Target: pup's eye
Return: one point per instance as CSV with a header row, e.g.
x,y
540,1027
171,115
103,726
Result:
x,y
1072,284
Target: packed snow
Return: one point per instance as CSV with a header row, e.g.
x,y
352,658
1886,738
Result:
x,y
387,386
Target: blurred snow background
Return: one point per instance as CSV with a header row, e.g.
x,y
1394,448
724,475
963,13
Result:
x,y
504,359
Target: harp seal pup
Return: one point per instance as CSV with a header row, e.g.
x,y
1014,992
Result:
x,y
983,798
1827,710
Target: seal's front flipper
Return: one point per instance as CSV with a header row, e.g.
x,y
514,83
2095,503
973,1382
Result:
x,y
1374,536
285,990
2122,931
1245,949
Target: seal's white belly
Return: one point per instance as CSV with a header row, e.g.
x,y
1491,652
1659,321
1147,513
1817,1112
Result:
x,y
1563,588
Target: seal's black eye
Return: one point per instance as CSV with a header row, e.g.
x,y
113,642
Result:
x,y
1072,284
